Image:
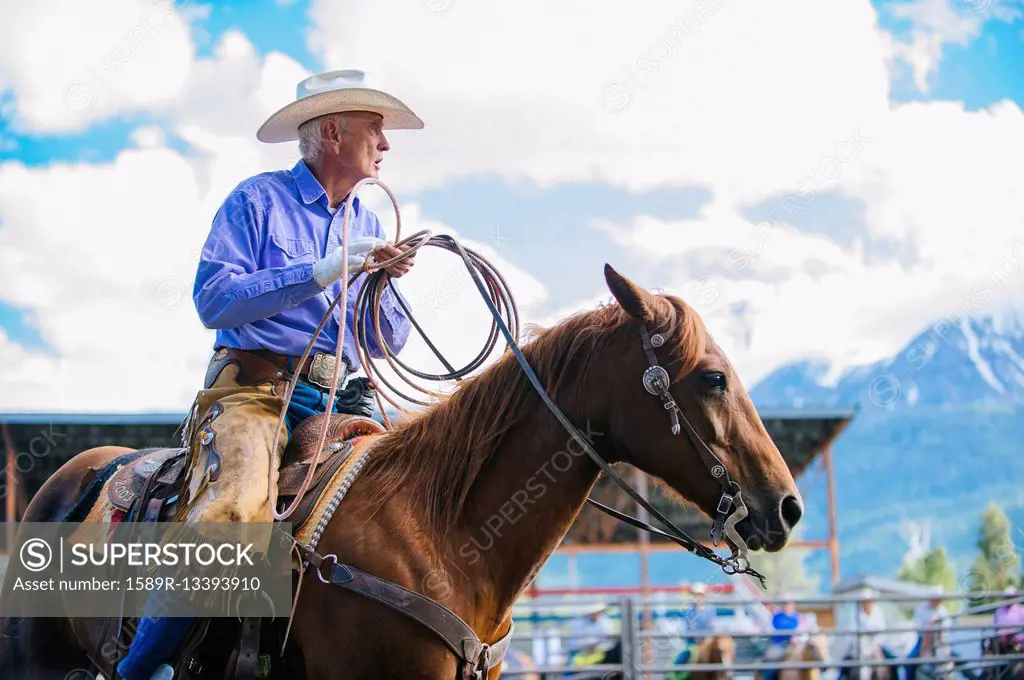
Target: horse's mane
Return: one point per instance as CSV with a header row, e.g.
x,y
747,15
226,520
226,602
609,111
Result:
x,y
435,455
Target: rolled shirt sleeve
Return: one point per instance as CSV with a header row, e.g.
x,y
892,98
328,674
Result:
x,y
230,290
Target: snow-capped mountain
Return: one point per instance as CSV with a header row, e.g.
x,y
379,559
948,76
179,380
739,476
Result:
x,y
937,436
970,360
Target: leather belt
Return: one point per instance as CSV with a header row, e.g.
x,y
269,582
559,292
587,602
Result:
x,y
316,370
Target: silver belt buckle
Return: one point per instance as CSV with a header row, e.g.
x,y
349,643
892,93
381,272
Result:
x,y
321,368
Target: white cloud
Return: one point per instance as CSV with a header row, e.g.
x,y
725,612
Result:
x,y
934,176
110,282
944,180
742,99
109,276
938,23
69,65
148,136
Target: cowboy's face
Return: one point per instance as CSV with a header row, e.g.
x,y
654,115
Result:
x,y
361,147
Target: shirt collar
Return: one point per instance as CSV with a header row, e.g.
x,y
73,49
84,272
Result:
x,y
310,189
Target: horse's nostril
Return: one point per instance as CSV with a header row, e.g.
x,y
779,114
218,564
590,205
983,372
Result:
x,y
791,509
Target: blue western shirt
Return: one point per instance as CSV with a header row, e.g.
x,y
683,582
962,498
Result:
x,y
255,280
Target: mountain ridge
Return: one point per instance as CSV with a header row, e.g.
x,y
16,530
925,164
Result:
x,y
936,436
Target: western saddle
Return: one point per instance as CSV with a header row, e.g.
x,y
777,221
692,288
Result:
x,y
147,488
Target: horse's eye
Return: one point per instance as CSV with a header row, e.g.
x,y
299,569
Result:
x,y
715,380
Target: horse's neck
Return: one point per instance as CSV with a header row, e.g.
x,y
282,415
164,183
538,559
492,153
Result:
x,y
519,509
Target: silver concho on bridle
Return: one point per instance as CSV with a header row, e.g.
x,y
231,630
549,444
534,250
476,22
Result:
x,y
656,380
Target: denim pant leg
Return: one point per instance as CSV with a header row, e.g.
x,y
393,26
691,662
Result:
x,y
910,672
155,641
157,638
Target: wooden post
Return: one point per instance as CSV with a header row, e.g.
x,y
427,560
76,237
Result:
x,y
11,482
833,537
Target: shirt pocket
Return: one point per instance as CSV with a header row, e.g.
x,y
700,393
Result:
x,y
285,250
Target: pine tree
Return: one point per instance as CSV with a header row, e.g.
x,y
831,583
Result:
x,y
998,565
931,569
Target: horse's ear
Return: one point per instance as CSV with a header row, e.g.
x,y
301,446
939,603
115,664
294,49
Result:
x,y
637,302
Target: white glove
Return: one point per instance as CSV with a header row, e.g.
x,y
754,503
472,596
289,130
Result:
x,y
328,270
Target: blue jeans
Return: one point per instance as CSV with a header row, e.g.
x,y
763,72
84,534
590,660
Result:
x,y
910,672
158,638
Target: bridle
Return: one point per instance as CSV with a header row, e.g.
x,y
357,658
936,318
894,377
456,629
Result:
x,y
656,381
730,509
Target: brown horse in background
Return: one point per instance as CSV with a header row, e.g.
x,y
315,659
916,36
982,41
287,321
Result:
x,y
814,649
466,501
719,650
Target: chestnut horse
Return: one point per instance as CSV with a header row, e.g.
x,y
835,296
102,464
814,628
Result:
x,y
467,500
719,650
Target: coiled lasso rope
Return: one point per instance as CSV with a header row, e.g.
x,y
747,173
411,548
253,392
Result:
x,y
368,301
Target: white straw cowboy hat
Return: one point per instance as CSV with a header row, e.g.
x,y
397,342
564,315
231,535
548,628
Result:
x,y
335,92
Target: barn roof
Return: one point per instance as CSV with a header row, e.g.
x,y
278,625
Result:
x,y
802,434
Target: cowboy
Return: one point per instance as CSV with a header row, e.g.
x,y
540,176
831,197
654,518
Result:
x,y
1009,621
699,619
784,621
592,635
270,268
931,619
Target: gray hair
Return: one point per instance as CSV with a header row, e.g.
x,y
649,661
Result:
x,y
311,136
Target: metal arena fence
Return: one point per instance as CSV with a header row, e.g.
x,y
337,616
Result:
x,y
651,631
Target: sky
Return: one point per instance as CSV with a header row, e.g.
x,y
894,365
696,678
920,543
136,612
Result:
x,y
818,180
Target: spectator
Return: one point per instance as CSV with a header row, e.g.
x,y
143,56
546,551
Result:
x,y
785,619
591,636
872,623
697,619
1009,622
930,614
